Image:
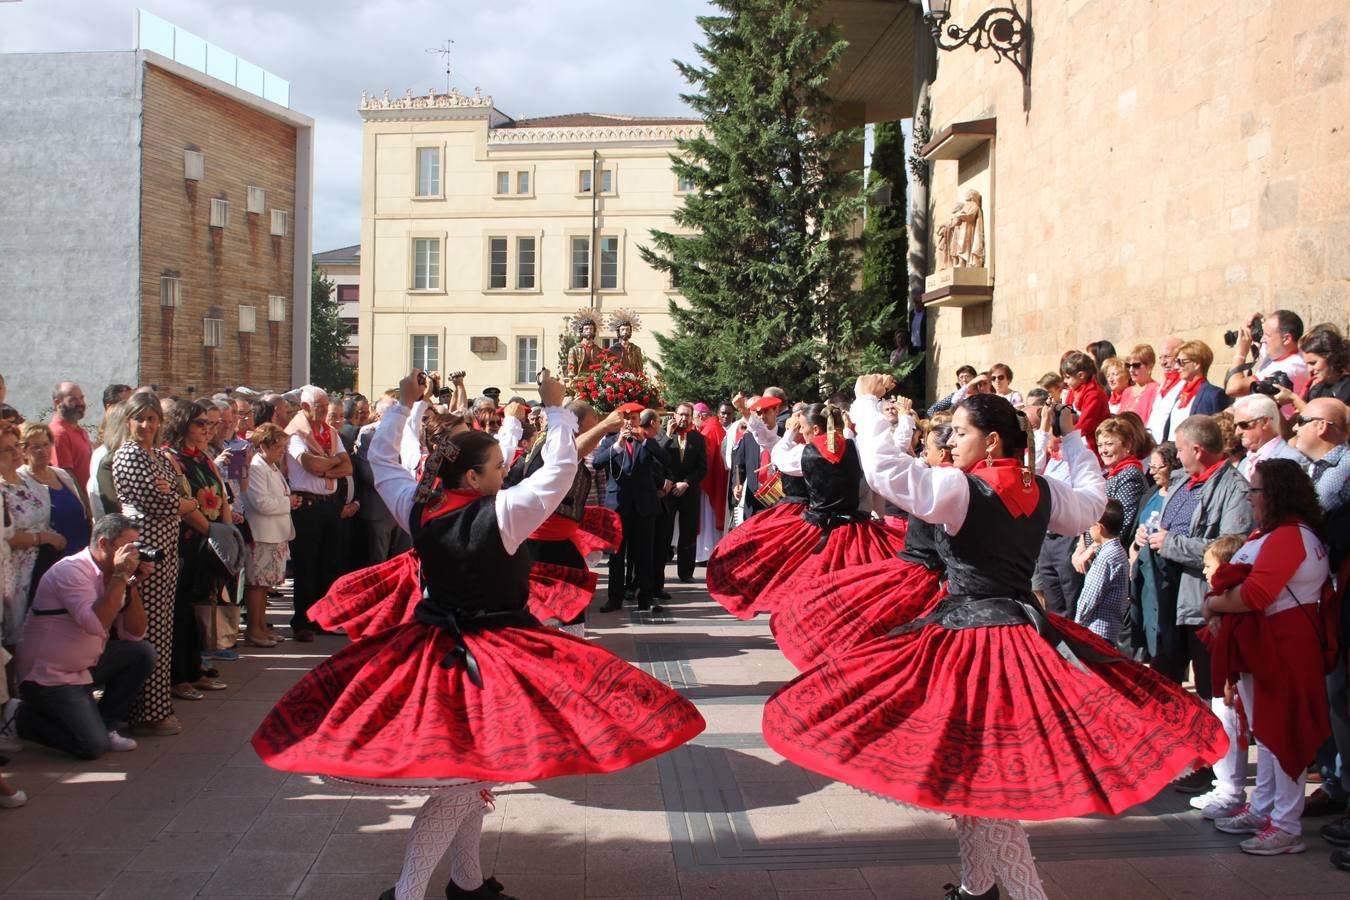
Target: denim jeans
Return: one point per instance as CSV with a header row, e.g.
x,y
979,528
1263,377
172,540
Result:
x,y
66,717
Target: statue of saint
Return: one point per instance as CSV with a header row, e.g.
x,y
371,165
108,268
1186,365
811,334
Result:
x,y
967,233
942,241
583,354
629,355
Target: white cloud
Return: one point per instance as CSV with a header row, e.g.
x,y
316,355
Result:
x,y
535,57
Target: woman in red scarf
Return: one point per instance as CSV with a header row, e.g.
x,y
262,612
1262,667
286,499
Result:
x,y
985,708
1271,641
1198,397
1117,383
1119,446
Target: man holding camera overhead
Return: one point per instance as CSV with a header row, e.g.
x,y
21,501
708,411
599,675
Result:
x,y
67,648
1276,337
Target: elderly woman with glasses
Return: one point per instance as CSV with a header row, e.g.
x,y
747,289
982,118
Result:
x,y
1142,389
1117,380
1198,397
1001,376
188,430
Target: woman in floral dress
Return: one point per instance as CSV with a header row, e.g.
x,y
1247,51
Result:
x,y
188,428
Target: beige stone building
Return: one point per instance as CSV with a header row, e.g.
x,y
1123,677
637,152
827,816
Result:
x,y
1167,167
480,233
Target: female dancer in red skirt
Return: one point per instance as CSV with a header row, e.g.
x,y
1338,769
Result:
x,y
845,608
561,584
472,691
986,708
767,563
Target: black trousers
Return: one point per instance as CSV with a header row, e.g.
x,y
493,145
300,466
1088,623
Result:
x,y
1059,582
634,562
315,554
686,510
1190,650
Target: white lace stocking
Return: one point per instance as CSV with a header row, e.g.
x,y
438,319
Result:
x,y
466,862
433,831
997,849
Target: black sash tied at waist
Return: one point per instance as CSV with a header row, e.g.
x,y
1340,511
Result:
x,y
458,622
957,613
828,522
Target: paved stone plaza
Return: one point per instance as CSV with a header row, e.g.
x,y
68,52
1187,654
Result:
x,y
198,815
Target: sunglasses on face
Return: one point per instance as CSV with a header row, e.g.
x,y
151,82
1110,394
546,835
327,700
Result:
x,y
1249,423
1135,365
998,377
1300,420
200,423
1184,360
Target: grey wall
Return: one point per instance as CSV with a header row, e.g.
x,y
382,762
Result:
x,y
69,224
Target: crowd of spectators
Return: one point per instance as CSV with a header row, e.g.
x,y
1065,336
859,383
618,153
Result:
x,y
233,493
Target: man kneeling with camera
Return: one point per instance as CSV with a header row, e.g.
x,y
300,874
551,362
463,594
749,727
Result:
x,y
85,630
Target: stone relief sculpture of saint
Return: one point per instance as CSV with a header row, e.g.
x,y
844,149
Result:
x,y
942,242
966,234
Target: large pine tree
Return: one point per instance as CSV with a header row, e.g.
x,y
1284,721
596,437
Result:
x,y
767,273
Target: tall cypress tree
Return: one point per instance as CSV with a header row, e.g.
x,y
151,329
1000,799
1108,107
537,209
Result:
x,y
767,274
885,273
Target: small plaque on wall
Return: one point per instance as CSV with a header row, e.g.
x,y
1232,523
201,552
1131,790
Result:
x,y
483,345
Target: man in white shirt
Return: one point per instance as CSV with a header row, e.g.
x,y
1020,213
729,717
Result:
x,y
1256,418
317,460
1168,391
1281,331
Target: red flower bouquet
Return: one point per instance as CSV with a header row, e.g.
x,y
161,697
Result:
x,y
606,385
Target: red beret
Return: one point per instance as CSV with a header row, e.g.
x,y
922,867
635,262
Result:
x,y
628,408
765,402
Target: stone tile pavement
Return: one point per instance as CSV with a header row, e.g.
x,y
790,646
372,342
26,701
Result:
x,y
198,816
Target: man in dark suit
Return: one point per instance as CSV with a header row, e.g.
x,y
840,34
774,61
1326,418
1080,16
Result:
x,y
634,464
686,463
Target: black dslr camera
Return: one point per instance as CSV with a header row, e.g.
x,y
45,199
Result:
x,y
148,554
1271,384
1054,421
1258,332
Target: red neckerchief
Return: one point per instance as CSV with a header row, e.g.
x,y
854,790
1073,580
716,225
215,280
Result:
x,y
1197,480
1229,575
1117,397
1170,378
1282,358
822,442
448,503
1069,394
1123,465
324,435
1006,476
1189,390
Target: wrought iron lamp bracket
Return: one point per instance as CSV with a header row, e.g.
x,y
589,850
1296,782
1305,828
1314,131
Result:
x,y
1001,29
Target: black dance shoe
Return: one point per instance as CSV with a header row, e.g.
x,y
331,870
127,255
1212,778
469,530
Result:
x,y
490,889
1341,859
1197,782
955,892
613,604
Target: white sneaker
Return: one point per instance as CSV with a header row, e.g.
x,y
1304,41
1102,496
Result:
x,y
1244,821
13,801
1271,841
1218,804
119,744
